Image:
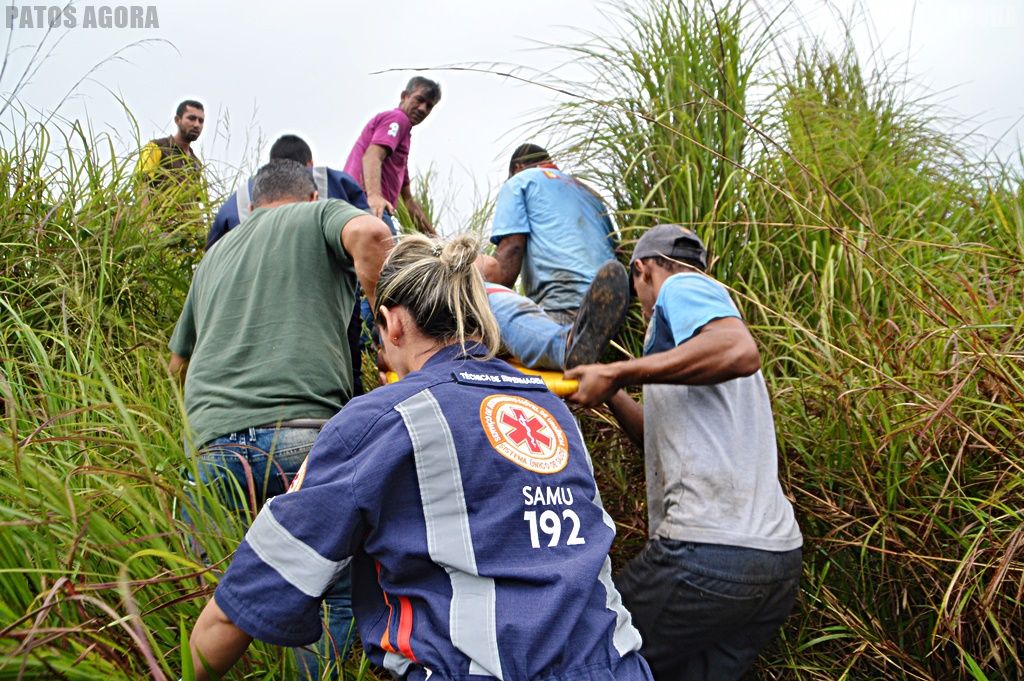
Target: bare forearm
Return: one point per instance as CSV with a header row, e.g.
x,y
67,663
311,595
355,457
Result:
x,y
504,275
508,260
407,197
721,351
216,643
629,414
419,216
724,350
367,240
368,273
372,161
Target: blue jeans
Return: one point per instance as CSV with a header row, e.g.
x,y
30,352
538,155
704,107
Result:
x,y
704,610
535,337
246,468
249,466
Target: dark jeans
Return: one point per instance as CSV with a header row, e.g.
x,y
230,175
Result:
x,y
705,610
248,467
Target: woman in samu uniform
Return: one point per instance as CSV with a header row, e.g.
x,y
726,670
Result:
x,y
463,495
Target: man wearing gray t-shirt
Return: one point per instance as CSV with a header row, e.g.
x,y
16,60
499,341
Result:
x,y
722,567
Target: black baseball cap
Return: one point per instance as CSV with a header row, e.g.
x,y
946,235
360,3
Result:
x,y
674,242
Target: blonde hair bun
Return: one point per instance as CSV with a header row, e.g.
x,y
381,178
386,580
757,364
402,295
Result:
x,y
437,282
460,252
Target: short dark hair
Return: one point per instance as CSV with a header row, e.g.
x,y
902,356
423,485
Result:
x,y
188,103
527,154
291,148
284,179
432,90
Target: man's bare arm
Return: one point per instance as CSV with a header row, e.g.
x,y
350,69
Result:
x,y
503,267
367,240
216,642
373,159
630,415
721,351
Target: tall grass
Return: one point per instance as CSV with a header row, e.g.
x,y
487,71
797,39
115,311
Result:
x,y
879,267
95,568
661,125
882,272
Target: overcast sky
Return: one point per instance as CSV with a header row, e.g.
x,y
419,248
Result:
x,y
266,68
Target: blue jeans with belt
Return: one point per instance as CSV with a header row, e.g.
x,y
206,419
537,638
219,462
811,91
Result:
x,y
246,468
249,466
706,610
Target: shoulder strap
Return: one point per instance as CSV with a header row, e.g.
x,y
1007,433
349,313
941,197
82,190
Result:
x,y
320,178
243,199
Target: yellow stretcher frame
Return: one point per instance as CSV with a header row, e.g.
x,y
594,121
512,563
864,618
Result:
x,y
555,380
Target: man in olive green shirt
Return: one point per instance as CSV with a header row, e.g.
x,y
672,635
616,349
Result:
x,y
261,340
262,332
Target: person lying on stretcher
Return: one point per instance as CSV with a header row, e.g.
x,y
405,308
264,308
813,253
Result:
x,y
532,338
545,344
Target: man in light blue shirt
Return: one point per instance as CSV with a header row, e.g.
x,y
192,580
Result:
x,y
555,233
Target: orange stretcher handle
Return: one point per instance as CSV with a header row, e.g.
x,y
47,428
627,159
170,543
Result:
x,y
555,381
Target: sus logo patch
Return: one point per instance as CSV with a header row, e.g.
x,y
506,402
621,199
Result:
x,y
524,433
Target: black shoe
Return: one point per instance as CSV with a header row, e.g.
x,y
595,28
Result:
x,y
600,316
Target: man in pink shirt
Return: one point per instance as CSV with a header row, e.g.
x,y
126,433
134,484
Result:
x,y
379,159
